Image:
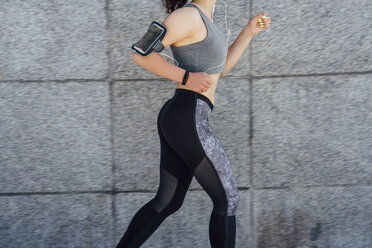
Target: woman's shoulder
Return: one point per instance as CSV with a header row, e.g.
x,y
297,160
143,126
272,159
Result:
x,y
181,23
185,16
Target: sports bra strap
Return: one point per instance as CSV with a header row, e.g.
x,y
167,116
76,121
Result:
x,y
200,11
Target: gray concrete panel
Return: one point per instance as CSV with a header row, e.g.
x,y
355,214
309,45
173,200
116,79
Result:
x,y
312,130
308,37
135,109
334,217
56,220
55,136
53,39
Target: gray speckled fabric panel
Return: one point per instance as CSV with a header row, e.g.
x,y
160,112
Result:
x,y
216,154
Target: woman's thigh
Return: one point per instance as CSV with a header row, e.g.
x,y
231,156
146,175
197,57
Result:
x,y
214,171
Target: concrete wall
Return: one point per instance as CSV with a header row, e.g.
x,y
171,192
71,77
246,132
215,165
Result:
x,y
79,149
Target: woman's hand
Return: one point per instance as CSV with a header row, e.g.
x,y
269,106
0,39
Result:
x,y
254,26
199,81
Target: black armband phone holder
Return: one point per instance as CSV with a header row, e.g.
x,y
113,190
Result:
x,y
151,40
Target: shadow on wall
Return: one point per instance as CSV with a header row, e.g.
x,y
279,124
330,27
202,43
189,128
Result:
x,y
293,231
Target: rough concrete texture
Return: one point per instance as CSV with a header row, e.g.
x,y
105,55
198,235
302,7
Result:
x,y
56,220
308,37
55,136
324,216
80,152
312,130
53,40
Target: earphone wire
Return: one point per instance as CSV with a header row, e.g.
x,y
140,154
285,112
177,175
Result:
x,y
227,40
228,35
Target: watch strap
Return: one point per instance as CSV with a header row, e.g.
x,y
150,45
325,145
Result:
x,y
185,77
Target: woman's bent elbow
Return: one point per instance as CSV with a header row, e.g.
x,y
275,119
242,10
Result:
x,y
137,58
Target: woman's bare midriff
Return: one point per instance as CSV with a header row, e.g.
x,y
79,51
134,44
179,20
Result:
x,y
210,92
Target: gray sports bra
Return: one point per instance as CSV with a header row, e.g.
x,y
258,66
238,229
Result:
x,y
201,56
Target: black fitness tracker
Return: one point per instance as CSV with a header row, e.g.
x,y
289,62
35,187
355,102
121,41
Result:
x,y
185,77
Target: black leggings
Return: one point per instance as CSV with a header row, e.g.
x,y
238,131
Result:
x,y
189,147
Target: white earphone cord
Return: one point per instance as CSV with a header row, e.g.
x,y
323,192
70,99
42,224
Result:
x,y
227,40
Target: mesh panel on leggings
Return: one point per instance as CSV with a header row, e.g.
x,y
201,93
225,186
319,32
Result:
x,y
215,152
165,193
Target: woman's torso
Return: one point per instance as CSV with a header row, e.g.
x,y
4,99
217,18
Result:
x,y
204,31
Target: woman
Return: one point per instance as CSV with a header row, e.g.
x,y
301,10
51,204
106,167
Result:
x,y
189,146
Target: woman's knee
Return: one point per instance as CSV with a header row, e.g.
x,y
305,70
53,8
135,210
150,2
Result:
x,y
229,204
167,206
233,201
174,206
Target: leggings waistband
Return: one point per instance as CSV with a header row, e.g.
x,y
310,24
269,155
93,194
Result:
x,y
198,95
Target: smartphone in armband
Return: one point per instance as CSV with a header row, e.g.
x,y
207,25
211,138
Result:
x,y
151,40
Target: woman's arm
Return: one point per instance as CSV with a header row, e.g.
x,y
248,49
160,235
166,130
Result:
x,y
240,44
237,49
197,81
159,66
177,29
180,24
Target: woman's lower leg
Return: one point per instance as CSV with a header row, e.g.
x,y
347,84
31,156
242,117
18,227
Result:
x,y
142,225
175,178
222,230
